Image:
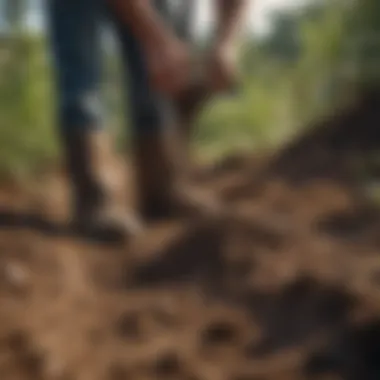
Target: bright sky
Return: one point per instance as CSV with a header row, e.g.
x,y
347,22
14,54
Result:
x,y
258,20
260,10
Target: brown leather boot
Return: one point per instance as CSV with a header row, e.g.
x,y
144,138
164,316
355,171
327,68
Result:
x,y
93,213
163,190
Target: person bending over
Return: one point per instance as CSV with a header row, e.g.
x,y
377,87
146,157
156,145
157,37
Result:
x,y
163,93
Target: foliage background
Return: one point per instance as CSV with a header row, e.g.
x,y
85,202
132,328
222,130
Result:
x,y
301,69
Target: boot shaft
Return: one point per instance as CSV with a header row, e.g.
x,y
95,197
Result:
x,y
85,159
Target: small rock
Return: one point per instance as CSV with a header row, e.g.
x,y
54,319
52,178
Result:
x,y
167,364
220,332
17,277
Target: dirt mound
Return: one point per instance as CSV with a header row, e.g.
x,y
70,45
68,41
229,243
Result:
x,y
285,286
331,145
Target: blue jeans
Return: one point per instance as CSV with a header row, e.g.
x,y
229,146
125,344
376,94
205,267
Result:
x,y
75,28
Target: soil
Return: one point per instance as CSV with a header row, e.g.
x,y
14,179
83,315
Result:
x,y
284,286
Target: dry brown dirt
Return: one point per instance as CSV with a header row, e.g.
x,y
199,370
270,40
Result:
x,y
285,286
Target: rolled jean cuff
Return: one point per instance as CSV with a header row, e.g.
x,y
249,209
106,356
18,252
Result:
x,y
149,114
81,111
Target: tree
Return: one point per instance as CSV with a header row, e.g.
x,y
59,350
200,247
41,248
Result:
x,y
363,30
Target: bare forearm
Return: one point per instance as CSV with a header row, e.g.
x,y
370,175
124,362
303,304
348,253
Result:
x,y
143,20
167,58
230,18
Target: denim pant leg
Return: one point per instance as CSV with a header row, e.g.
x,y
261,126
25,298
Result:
x,y
74,31
149,111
